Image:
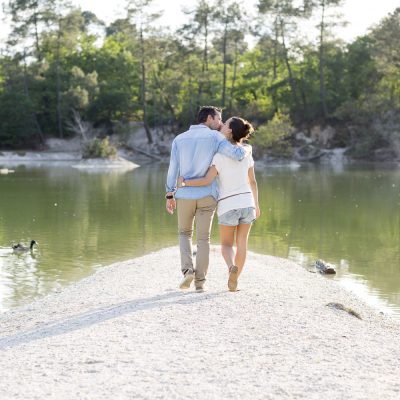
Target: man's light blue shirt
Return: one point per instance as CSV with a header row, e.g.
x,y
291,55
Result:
x,y
191,156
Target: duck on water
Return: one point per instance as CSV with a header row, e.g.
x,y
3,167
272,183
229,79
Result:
x,y
21,248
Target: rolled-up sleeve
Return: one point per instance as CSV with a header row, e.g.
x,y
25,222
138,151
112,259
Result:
x,y
173,169
228,149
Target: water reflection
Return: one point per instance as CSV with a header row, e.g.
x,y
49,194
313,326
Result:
x,y
348,217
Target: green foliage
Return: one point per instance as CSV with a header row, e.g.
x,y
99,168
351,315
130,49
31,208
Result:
x,y
99,148
16,125
130,73
273,136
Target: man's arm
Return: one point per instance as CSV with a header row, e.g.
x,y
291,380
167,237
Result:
x,y
172,176
173,170
228,149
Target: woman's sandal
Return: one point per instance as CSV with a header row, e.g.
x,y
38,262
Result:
x,y
233,278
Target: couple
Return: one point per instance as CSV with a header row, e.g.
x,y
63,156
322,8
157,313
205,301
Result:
x,y
198,156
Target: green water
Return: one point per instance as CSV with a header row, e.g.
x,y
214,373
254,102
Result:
x,y
349,217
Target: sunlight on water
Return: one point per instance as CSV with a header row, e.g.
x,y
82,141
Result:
x,y
348,216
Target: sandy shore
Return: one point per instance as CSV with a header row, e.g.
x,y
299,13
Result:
x,y
127,332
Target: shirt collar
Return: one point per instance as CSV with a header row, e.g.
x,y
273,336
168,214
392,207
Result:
x,y
200,126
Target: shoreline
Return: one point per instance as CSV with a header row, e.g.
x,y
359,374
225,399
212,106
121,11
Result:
x,y
11,157
127,332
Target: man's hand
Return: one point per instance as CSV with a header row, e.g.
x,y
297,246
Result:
x,y
170,206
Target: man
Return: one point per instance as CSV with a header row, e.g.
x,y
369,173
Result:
x,y
191,156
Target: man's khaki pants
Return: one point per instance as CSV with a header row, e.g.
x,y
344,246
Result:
x,y
201,210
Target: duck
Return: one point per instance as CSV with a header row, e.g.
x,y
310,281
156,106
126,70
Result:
x,y
20,247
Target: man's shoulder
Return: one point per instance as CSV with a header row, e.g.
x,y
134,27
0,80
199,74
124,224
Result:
x,y
179,135
197,132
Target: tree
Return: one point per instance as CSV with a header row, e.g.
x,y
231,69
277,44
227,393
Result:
x,y
284,15
67,27
139,13
199,27
29,19
17,125
323,6
386,53
231,16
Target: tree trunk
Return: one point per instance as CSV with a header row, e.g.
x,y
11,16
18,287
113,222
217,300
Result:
x,y
205,52
58,83
322,91
190,92
235,62
143,90
225,65
205,77
292,81
275,65
38,50
275,73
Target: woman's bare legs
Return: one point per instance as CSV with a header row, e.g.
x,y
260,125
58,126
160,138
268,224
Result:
x,y
242,236
227,237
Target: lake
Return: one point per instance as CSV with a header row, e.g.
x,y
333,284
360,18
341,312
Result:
x,y
348,216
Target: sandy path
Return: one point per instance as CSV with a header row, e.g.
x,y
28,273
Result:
x,y
127,333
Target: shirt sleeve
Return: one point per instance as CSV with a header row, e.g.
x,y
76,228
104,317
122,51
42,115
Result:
x,y
251,161
173,169
216,161
226,148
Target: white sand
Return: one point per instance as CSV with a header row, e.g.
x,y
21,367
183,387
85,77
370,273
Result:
x,y
127,333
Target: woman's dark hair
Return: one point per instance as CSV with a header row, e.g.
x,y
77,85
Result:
x,y
205,111
240,128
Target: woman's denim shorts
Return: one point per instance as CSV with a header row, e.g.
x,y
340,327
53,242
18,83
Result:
x,y
238,217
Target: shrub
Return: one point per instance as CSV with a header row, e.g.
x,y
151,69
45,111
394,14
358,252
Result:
x,y
273,136
99,148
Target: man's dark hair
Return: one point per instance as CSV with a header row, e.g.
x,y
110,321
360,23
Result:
x,y
205,111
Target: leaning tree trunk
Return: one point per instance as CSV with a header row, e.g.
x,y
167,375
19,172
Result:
x,y
225,64
292,81
190,91
322,91
235,62
58,83
37,45
143,90
275,65
205,76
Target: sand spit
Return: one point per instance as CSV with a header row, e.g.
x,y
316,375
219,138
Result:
x,y
126,332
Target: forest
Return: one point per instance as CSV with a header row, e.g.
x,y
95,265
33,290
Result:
x,y
63,66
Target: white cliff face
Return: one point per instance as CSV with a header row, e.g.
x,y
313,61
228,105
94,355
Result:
x,y
73,145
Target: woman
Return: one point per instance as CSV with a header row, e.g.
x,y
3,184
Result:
x,y
238,198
